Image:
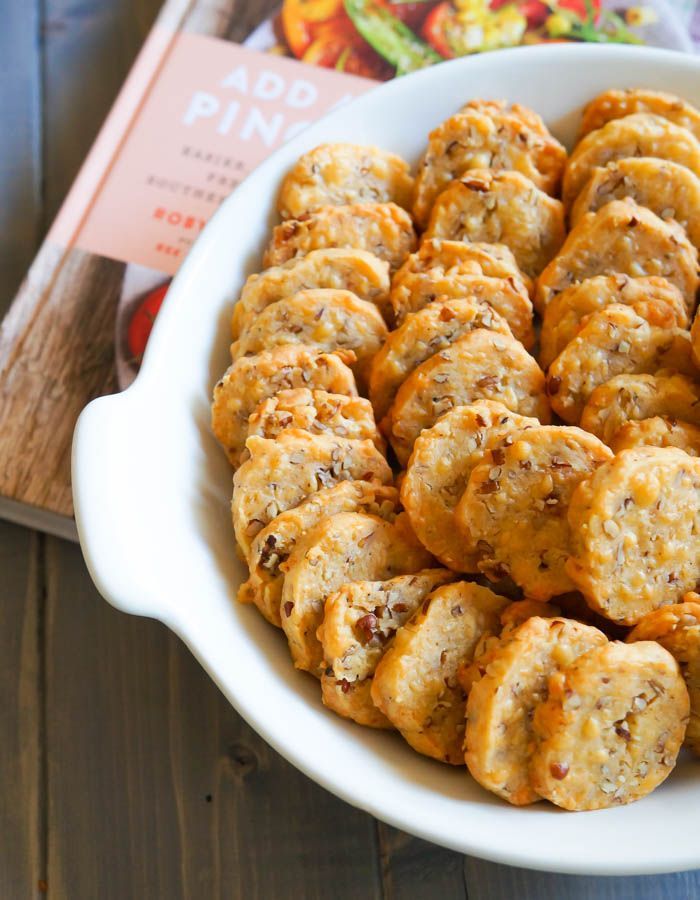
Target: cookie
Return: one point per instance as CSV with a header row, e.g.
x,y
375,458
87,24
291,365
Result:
x,y
657,432
499,737
439,468
615,104
250,380
280,473
359,621
318,412
500,207
420,335
383,229
342,174
323,318
628,398
635,532
342,548
474,140
512,515
445,258
668,189
507,296
498,107
273,545
614,341
337,268
640,134
415,684
482,365
565,312
511,619
677,629
622,238
611,728
518,612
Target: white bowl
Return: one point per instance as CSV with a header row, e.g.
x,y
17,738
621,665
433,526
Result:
x,y
152,492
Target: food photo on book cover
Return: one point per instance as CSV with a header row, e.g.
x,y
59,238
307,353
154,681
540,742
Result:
x,y
382,40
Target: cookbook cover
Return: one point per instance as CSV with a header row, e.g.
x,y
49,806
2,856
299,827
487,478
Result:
x,y
196,114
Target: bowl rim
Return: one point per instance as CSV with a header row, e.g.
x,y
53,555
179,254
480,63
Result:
x,y
120,591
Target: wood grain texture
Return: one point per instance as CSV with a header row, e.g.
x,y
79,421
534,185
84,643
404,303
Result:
x,y
22,832
413,869
268,827
59,359
20,161
489,881
156,786
22,835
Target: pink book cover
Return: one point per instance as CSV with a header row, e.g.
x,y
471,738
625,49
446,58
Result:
x,y
195,115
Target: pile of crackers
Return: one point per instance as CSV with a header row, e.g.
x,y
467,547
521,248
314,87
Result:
x,y
463,412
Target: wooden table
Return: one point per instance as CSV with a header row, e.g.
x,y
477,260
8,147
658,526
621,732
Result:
x,y
123,771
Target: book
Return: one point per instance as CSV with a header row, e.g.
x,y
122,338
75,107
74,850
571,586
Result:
x,y
195,115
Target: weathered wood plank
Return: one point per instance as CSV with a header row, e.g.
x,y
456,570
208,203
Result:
x,y
22,847
20,161
488,881
156,786
275,832
22,822
414,870
112,816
